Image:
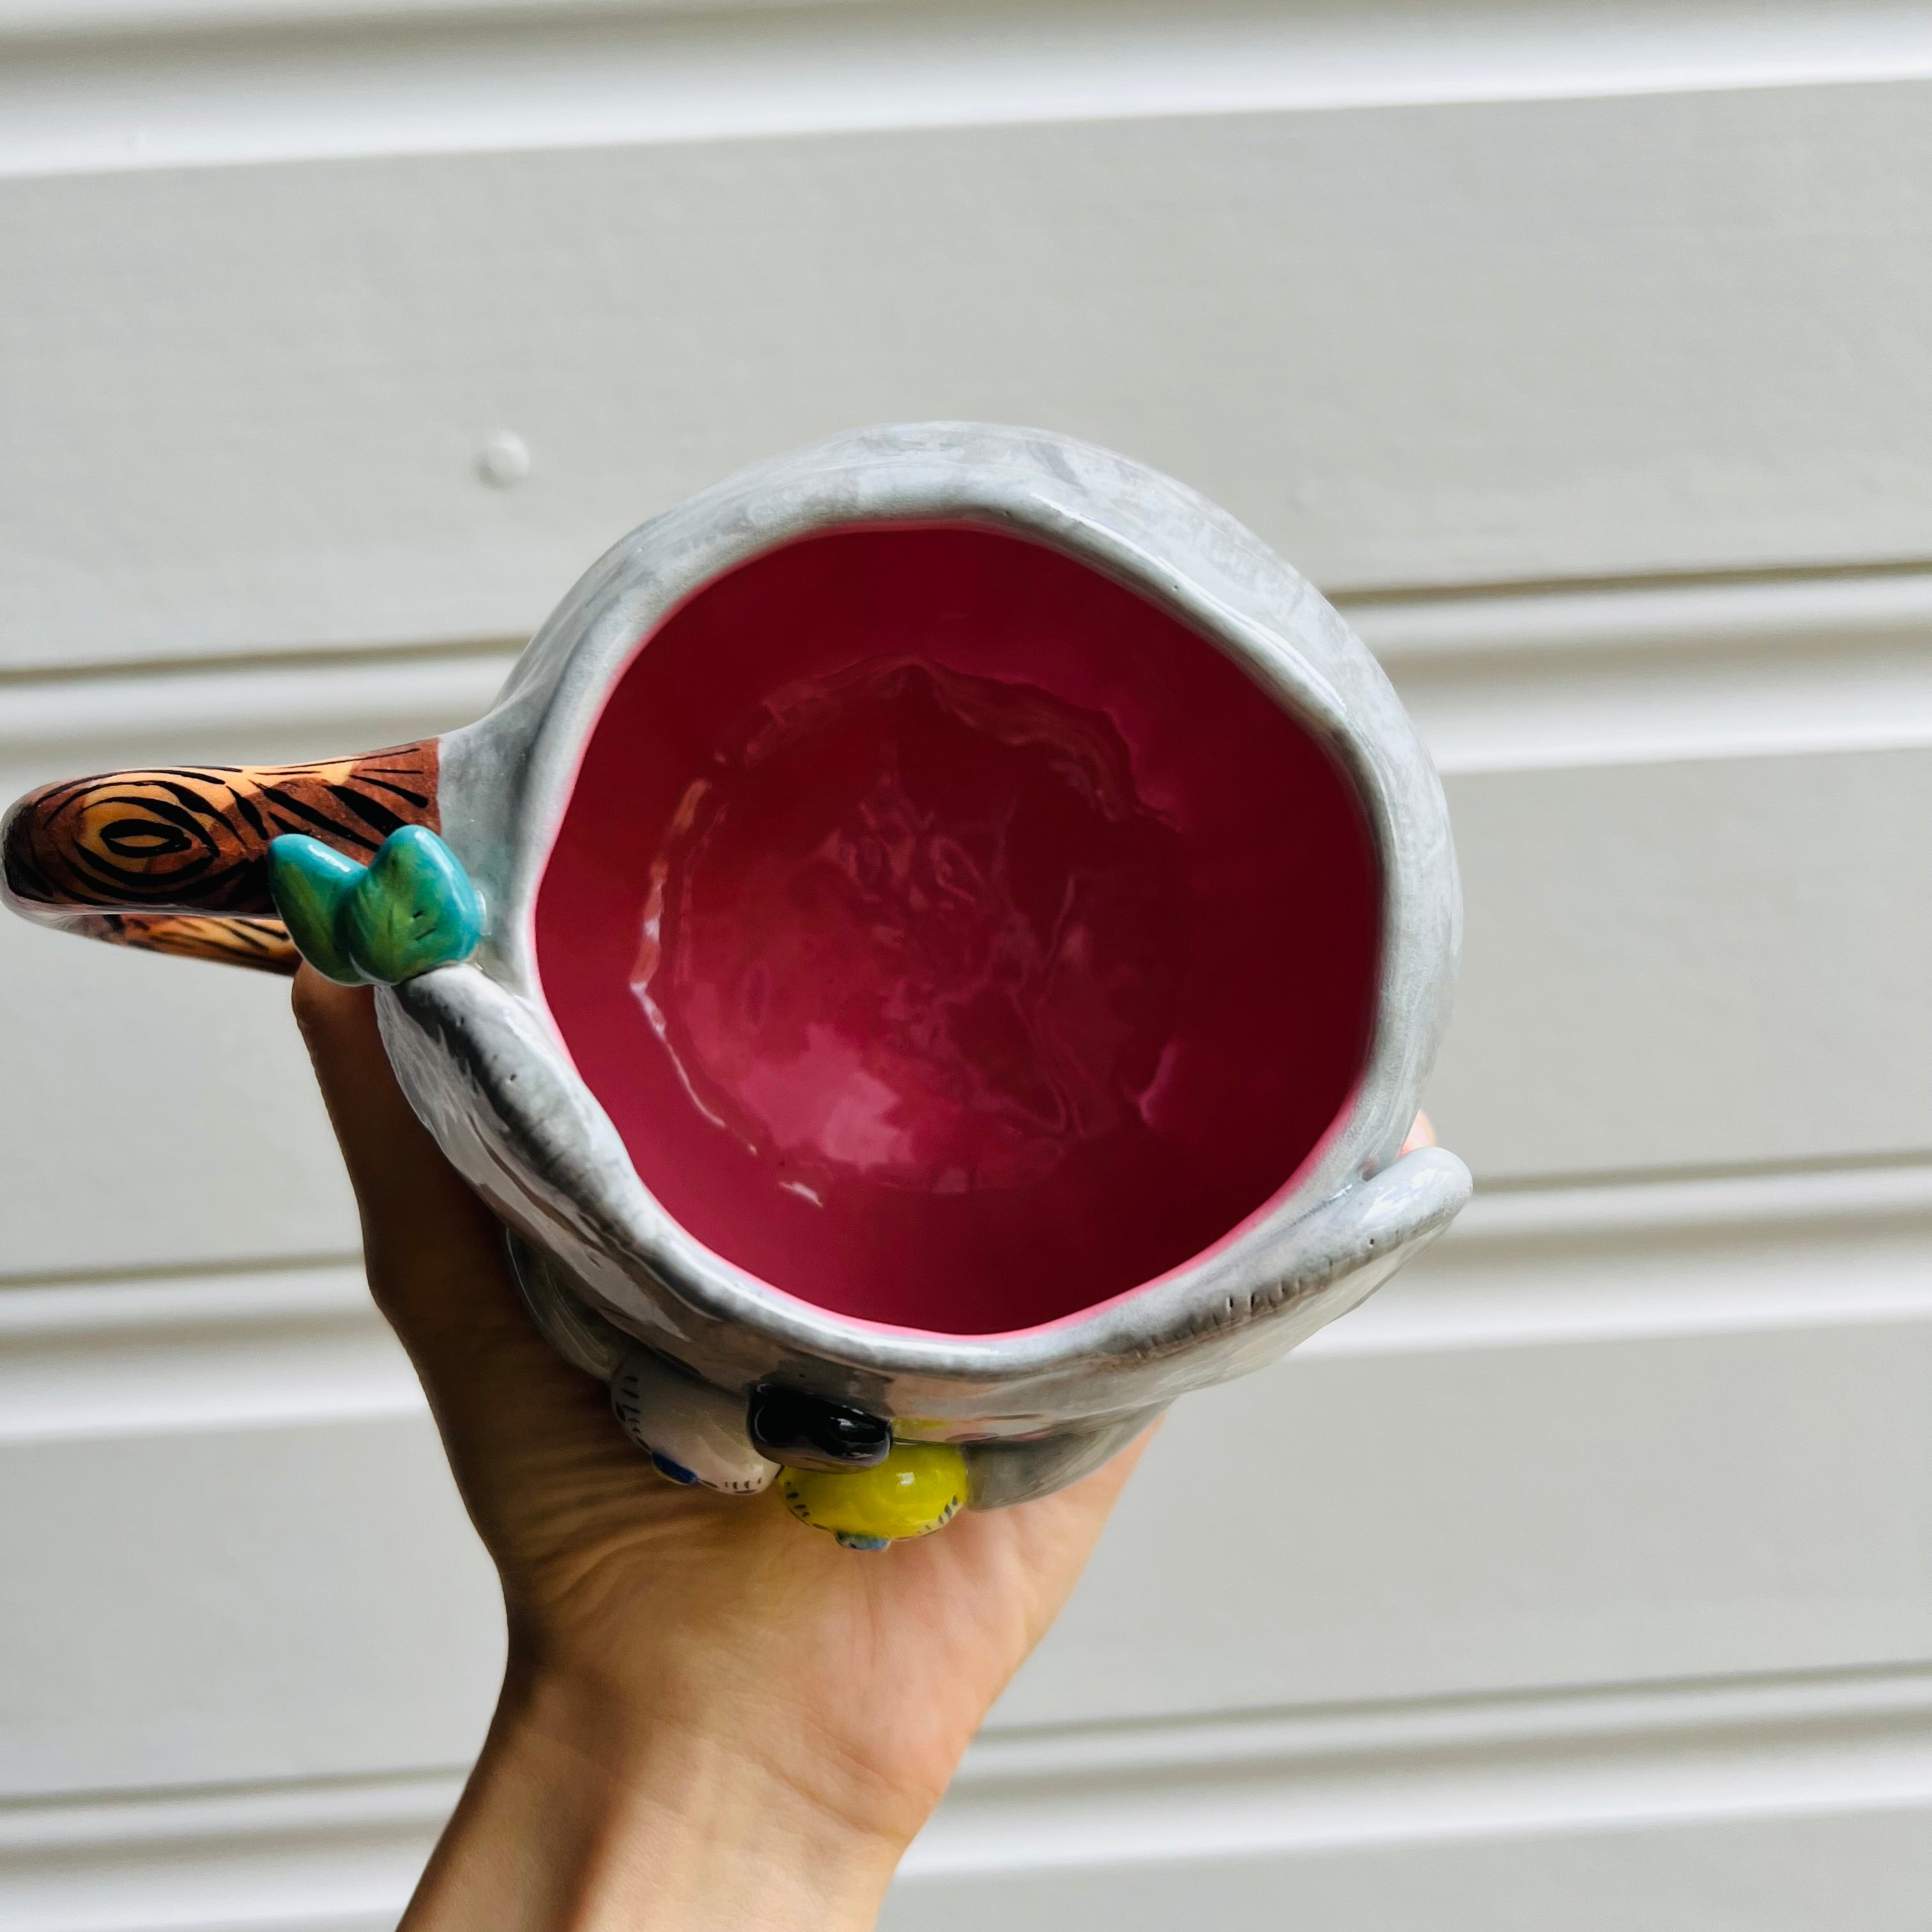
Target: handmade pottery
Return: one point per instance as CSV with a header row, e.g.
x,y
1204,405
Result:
x,y
933,954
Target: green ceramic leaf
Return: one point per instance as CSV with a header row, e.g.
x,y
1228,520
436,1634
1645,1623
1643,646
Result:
x,y
413,909
310,884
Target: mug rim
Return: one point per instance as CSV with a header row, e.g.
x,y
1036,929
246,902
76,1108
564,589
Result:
x,y
506,780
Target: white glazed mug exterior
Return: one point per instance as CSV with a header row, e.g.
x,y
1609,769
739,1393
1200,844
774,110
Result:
x,y
484,1065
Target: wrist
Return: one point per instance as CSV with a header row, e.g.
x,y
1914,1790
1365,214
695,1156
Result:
x,y
587,1811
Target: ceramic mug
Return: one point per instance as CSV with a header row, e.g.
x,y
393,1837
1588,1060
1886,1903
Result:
x,y
934,953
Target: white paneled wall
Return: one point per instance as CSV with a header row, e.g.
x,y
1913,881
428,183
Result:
x,y
1585,1577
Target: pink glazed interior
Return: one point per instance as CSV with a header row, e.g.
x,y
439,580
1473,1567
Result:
x,y
956,940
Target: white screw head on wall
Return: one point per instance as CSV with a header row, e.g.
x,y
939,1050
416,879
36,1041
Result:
x,y
505,460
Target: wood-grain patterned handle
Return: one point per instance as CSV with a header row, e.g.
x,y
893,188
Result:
x,y
176,860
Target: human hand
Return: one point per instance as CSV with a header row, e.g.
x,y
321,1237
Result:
x,y
711,1716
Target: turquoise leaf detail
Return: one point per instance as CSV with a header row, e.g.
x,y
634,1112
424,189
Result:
x,y
309,881
411,908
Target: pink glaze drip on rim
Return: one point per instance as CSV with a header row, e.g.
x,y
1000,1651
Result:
x,y
956,940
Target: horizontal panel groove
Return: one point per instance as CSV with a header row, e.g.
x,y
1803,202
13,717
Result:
x,y
276,1348
97,1821
20,681
1769,1196
180,1300
1532,678
18,1289
1120,1795
1742,1255
1392,1776
85,20
330,1856
1408,1726
1865,29
1425,1726
1539,679
1708,611
357,698
264,1347
451,81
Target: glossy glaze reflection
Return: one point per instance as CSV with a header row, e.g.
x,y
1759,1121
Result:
x,y
915,930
